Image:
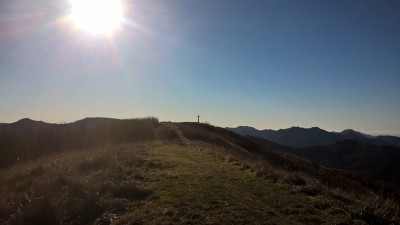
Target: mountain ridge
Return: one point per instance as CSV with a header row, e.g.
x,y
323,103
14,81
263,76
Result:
x,y
298,137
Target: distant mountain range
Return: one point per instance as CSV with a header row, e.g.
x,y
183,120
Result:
x,y
298,137
375,157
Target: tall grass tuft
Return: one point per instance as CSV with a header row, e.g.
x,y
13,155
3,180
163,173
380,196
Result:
x,y
379,211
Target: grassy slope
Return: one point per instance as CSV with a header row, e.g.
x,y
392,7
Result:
x,y
170,182
198,188
154,184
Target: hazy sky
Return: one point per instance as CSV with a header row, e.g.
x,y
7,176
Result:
x,y
268,64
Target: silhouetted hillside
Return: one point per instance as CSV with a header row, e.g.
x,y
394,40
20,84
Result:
x,y
93,121
24,125
355,135
392,140
298,137
27,139
352,134
294,137
377,162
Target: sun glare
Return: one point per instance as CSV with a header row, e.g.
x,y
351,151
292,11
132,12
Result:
x,y
99,17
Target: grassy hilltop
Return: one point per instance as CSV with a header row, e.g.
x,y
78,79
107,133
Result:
x,y
141,171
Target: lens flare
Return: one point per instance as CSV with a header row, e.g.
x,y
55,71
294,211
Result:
x,y
99,17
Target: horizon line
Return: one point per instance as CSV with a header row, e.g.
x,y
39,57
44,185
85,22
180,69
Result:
x,y
213,124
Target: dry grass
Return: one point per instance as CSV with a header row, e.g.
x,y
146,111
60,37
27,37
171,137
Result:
x,y
378,211
60,188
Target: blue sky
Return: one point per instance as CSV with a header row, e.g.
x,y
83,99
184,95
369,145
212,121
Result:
x,y
267,64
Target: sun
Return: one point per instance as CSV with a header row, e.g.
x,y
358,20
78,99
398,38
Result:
x,y
98,17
